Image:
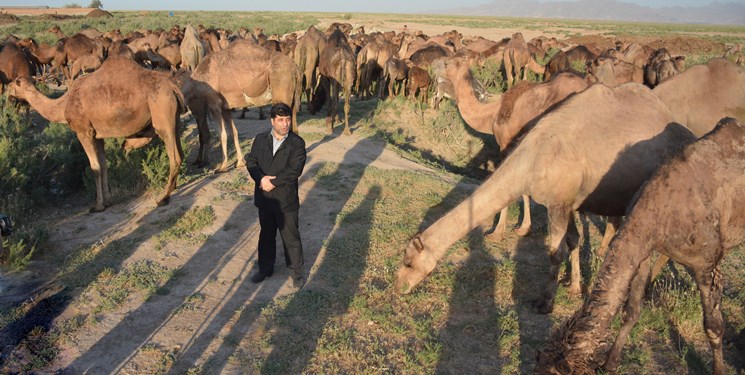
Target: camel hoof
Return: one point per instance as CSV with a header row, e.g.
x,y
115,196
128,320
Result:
x,y
220,170
543,306
164,201
522,231
95,209
347,132
495,236
574,290
241,164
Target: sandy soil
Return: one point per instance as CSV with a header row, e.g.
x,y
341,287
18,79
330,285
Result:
x,y
38,12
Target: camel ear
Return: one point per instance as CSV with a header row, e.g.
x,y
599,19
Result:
x,y
417,242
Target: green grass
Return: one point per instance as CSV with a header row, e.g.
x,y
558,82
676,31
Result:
x,y
187,227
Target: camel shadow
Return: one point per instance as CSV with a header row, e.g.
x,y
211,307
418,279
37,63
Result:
x,y
55,296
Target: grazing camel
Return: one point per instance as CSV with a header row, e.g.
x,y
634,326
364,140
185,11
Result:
x,y
191,48
337,66
120,99
692,210
507,115
242,75
395,72
589,154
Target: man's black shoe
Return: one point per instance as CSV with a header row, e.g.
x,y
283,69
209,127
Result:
x,y
259,276
298,282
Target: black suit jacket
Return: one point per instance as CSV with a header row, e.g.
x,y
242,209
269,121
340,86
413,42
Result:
x,y
287,164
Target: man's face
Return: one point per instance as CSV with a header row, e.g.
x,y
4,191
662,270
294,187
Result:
x,y
281,125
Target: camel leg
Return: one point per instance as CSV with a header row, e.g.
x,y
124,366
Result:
x,y
238,152
709,282
559,219
498,233
611,227
661,261
199,110
572,241
90,148
525,226
217,115
631,313
100,151
261,113
333,97
165,122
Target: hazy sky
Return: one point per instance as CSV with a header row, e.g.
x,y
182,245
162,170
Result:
x,y
374,6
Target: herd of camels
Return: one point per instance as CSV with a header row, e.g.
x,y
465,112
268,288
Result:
x,y
634,136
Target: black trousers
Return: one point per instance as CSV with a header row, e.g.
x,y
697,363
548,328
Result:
x,y
287,223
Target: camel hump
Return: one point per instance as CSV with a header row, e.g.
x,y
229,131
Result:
x,y
509,99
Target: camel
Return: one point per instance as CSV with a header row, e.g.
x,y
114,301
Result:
x,y
85,64
395,73
661,66
120,99
307,53
702,94
426,56
191,48
242,75
417,82
337,66
506,116
589,154
516,57
13,64
370,63
43,54
692,211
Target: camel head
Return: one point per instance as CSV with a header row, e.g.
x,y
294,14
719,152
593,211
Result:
x,y
19,87
417,264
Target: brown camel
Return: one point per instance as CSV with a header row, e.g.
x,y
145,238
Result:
x,y
191,48
242,75
13,64
589,154
506,116
417,83
370,63
702,94
307,53
692,211
661,66
43,54
120,99
516,58
337,67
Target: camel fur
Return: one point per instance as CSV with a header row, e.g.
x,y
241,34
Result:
x,y
337,67
242,75
692,210
589,154
120,99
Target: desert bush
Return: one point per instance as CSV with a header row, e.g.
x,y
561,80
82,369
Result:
x,y
490,75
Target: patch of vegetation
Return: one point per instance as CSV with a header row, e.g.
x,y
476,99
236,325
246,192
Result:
x,y
187,227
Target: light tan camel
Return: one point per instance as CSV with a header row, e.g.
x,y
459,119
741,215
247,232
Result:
x,y
703,94
505,116
120,99
394,74
191,48
589,154
306,56
242,75
516,58
338,70
691,210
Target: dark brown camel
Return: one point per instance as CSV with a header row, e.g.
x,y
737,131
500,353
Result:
x,y
242,75
589,154
337,66
121,99
693,211
417,83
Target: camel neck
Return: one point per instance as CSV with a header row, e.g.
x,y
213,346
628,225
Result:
x,y
479,116
51,109
498,191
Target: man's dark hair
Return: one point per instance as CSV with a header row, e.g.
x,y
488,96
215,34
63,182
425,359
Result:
x,y
281,109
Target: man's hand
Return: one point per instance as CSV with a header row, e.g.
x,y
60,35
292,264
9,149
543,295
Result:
x,y
266,183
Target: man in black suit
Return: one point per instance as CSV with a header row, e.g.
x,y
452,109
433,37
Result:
x,y
276,160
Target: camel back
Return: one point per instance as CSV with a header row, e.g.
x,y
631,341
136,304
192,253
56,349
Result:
x,y
509,99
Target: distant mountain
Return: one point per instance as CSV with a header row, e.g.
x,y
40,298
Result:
x,y
713,13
